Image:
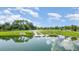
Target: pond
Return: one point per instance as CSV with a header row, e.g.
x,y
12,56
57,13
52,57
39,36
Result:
x,y
59,43
24,44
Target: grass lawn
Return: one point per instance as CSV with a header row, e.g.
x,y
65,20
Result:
x,y
29,33
59,32
26,33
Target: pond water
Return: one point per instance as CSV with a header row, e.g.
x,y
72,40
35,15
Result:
x,y
25,44
60,43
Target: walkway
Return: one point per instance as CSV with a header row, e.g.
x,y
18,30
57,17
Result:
x,y
38,34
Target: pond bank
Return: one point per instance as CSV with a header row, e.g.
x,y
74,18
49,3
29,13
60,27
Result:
x,y
26,33
30,33
59,32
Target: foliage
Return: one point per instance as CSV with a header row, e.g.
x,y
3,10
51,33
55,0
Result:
x,y
17,25
59,32
16,33
71,28
73,38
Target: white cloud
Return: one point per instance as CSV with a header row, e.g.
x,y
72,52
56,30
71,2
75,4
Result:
x,y
35,14
7,11
38,24
54,16
76,9
73,16
29,11
8,16
11,18
36,8
2,16
16,17
19,8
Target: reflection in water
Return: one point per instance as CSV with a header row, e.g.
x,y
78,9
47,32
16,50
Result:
x,y
16,39
21,39
65,44
23,43
48,42
56,44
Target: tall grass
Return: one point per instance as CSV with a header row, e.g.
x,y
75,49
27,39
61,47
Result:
x,y
16,33
59,32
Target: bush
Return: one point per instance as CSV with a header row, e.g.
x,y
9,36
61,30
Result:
x,y
53,35
73,38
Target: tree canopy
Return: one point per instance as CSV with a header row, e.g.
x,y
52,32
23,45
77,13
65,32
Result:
x,y
17,25
25,25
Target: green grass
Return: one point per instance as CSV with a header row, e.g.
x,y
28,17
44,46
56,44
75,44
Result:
x,y
59,32
16,33
29,33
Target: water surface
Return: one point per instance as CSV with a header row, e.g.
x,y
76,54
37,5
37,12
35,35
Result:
x,y
24,44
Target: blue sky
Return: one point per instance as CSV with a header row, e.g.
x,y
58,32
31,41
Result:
x,y
41,16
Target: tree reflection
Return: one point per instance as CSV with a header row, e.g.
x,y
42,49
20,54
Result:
x,y
21,39
16,39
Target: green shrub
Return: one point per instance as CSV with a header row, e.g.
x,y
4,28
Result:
x,y
73,38
53,35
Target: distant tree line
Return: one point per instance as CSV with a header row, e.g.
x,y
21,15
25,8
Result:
x,y
72,28
25,25
17,25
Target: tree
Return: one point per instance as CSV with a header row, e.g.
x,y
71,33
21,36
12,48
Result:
x,y
73,28
56,27
6,26
22,25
